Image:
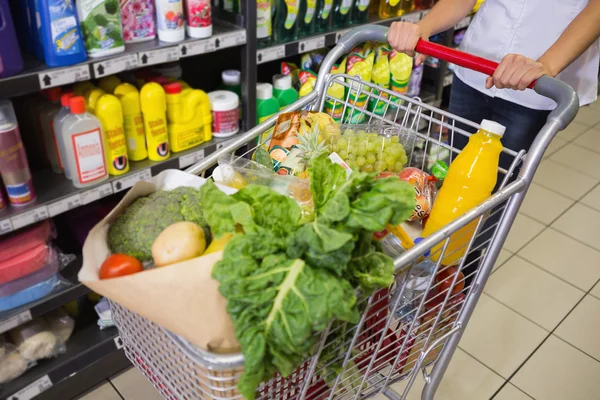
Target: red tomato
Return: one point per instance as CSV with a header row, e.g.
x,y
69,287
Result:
x,y
446,277
120,265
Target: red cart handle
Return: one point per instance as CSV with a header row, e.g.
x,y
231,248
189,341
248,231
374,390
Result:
x,y
459,58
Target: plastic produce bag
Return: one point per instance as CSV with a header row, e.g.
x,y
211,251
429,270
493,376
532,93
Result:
x,y
61,325
35,340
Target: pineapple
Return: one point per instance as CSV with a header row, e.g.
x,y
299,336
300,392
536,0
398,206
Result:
x,y
310,144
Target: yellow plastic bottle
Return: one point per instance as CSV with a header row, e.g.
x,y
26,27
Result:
x,y
471,179
110,115
81,87
154,110
188,115
109,83
91,97
133,122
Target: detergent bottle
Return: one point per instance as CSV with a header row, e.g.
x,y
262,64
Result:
x,y
360,13
286,21
109,83
264,21
154,109
133,122
323,22
57,123
46,118
283,90
84,145
170,20
307,17
471,179
11,61
60,41
101,26
188,116
342,13
110,115
91,97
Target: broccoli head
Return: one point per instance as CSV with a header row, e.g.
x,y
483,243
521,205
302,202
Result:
x,y
135,230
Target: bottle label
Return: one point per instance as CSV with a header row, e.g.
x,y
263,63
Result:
x,y
169,15
363,4
310,11
138,20
133,125
292,13
88,151
394,3
116,150
101,24
198,13
345,7
327,6
63,27
225,122
157,137
263,19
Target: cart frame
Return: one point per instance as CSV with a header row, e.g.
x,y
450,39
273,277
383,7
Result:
x,y
376,354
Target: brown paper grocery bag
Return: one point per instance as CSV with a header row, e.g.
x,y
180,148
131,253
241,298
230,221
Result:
x,y
182,297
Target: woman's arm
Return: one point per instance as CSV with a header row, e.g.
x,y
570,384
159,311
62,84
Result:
x,y
517,71
403,36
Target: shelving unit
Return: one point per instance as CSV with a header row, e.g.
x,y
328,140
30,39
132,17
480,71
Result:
x,y
93,355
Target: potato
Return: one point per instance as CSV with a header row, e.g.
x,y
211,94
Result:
x,y
178,242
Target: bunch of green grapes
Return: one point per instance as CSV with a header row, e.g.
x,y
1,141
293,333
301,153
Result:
x,y
369,152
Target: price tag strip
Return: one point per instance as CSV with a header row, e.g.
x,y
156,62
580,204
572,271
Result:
x,y
119,343
29,217
311,44
340,34
130,180
159,56
270,54
230,40
15,321
64,205
64,76
191,159
33,389
112,66
5,226
96,193
198,47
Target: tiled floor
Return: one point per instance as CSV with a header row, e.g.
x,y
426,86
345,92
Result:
x,y
534,334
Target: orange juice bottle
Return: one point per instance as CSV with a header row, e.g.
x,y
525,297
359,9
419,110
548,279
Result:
x,y
471,179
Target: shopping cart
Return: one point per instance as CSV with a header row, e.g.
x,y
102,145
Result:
x,y
386,346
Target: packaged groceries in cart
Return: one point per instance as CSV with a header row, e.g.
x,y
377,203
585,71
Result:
x,y
317,282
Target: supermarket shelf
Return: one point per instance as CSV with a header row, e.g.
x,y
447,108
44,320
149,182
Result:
x,y
15,317
57,195
319,41
92,356
38,76
448,79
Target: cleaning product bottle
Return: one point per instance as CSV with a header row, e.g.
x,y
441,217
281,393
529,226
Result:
x,y
169,18
59,39
286,21
154,109
471,179
91,97
84,145
199,20
137,17
133,123
101,26
188,116
110,115
283,90
80,88
407,6
109,83
231,80
360,13
266,106
57,123
264,26
11,61
389,8
324,14
307,17
46,118
342,13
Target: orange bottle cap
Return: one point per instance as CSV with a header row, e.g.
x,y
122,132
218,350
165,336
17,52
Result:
x,y
77,104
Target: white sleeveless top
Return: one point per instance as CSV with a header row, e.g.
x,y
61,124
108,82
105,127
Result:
x,y
528,27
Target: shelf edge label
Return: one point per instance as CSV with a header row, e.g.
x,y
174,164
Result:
x,y
112,66
5,226
230,39
197,47
158,56
33,389
340,34
64,76
96,193
311,44
270,54
14,321
64,205
130,180
191,159
30,217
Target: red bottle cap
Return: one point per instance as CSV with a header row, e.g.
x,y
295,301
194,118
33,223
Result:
x,y
172,88
77,104
64,99
54,94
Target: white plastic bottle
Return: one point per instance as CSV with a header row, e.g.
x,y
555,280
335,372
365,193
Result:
x,y
46,118
84,145
57,123
170,20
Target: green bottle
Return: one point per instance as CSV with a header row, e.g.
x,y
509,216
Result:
x,y
360,13
323,23
307,17
342,13
266,106
283,90
286,21
231,80
264,20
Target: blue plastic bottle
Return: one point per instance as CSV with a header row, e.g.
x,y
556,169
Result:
x,y
64,46
11,61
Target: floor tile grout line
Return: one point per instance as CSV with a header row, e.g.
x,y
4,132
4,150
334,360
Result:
x,y
562,194
568,166
116,390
